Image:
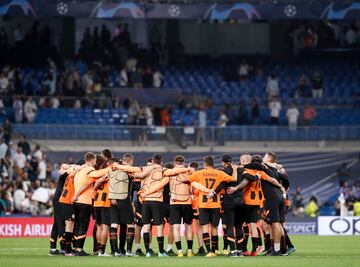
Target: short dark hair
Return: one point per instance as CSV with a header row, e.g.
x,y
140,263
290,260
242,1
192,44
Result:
x,y
179,159
89,156
272,156
256,158
149,160
194,165
209,161
100,162
169,165
107,154
127,157
157,159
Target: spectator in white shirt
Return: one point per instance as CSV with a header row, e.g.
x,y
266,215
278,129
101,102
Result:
x,y
157,79
38,154
4,83
18,109
19,158
87,82
200,133
244,70
272,87
124,81
30,109
21,202
55,102
293,115
275,108
222,122
42,170
149,116
3,149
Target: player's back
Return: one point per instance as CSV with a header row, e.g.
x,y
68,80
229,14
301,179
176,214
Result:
x,y
81,179
68,190
180,189
211,179
152,179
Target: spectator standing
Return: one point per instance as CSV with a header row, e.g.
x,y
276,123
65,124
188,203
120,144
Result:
x,y
222,122
4,83
255,111
275,108
7,128
242,114
124,80
18,109
244,70
24,145
293,115
133,112
317,85
200,133
3,149
38,154
157,79
149,116
42,170
30,109
302,85
55,102
309,114
272,87
297,202
19,158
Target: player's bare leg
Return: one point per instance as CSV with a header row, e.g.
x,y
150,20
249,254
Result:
x,y
104,238
170,240
254,238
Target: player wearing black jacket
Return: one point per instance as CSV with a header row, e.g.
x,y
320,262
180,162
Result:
x,y
274,206
58,227
233,204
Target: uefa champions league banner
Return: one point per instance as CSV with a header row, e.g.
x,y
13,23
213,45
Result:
x,y
197,11
336,225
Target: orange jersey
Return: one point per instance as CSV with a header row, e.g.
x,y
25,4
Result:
x,y
68,190
211,179
101,198
83,179
195,198
253,194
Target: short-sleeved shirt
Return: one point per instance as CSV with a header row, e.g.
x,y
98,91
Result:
x,y
210,178
68,190
82,178
101,198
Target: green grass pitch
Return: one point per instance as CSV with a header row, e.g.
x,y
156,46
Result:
x,y
312,251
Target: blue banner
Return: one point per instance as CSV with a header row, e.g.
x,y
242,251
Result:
x,y
242,11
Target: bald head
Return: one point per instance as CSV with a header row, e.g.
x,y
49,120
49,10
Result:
x,y
245,159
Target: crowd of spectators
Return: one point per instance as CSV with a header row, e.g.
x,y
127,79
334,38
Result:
x,y
27,177
351,193
325,34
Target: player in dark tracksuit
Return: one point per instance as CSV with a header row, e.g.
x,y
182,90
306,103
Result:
x,y
58,227
233,205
